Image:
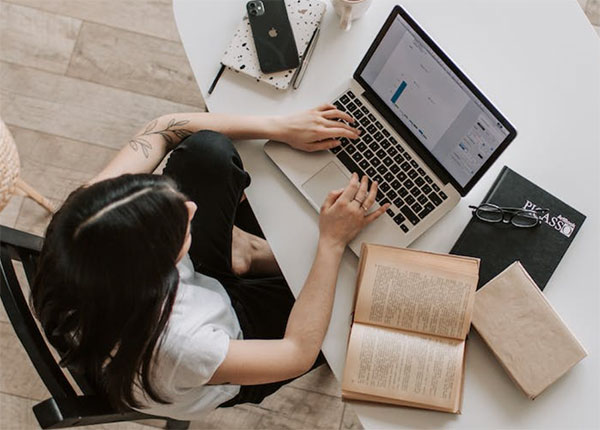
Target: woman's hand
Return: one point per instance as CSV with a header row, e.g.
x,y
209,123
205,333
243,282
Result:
x,y
316,129
345,212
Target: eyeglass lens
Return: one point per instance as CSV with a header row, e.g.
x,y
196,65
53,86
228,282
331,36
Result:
x,y
495,214
489,213
524,219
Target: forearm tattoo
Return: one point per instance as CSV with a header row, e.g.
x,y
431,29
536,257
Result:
x,y
141,140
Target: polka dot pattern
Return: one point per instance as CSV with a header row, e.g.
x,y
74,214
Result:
x,y
240,56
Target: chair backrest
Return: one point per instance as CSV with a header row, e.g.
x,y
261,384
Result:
x,y
65,408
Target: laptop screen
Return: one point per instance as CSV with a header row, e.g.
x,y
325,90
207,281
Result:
x,y
424,92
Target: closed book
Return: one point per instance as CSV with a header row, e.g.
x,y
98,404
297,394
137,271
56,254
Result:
x,y
240,56
528,337
539,249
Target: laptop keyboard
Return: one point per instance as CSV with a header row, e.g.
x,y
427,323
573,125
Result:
x,y
377,154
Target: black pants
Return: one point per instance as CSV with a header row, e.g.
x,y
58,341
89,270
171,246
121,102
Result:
x,y
209,171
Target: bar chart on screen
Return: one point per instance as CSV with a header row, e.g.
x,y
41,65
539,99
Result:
x,y
420,92
398,92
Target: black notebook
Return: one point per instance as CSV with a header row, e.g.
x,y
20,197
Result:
x,y
539,249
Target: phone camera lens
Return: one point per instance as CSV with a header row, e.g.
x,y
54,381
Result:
x,y
253,12
252,5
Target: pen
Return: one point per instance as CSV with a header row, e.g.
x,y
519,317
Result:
x,y
214,83
306,58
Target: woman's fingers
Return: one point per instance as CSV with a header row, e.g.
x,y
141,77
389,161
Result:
x,y
337,114
329,123
351,189
371,196
331,198
324,107
373,216
369,201
361,194
333,132
320,145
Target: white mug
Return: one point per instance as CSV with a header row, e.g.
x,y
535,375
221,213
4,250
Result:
x,y
349,10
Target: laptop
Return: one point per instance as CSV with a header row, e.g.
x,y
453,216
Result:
x,y
427,135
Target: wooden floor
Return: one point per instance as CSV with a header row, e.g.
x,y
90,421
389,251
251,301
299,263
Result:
x,y
77,78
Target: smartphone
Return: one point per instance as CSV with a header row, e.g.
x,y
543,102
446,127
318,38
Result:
x,y
273,35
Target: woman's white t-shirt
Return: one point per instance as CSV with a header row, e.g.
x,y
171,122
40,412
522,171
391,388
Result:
x,y
195,342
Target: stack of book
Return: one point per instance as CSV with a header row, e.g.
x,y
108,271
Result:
x,y
413,309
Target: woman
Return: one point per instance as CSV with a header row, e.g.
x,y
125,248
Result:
x,y
146,285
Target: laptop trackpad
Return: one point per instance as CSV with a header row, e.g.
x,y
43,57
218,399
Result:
x,y
328,178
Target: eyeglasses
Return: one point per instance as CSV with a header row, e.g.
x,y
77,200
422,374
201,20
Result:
x,y
518,217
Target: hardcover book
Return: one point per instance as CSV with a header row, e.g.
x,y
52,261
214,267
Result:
x,y
411,318
539,249
527,336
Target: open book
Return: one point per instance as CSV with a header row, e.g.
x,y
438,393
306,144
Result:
x,y
411,318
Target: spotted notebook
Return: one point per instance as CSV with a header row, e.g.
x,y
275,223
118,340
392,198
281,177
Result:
x,y
304,15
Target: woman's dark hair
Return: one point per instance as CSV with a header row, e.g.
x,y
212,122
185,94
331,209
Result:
x,y
107,280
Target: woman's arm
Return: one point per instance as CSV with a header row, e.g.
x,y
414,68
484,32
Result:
x,y
312,130
250,362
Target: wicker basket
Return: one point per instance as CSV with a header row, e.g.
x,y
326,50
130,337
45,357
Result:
x,y
9,173
9,165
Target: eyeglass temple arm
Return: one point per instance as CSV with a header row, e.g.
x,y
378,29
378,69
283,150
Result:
x,y
511,209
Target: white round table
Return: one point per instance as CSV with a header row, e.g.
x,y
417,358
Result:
x,y
539,63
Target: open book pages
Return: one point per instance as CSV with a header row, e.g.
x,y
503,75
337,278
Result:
x,y
402,368
411,317
416,291
525,333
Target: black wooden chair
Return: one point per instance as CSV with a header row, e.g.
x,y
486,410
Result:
x,y
66,408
